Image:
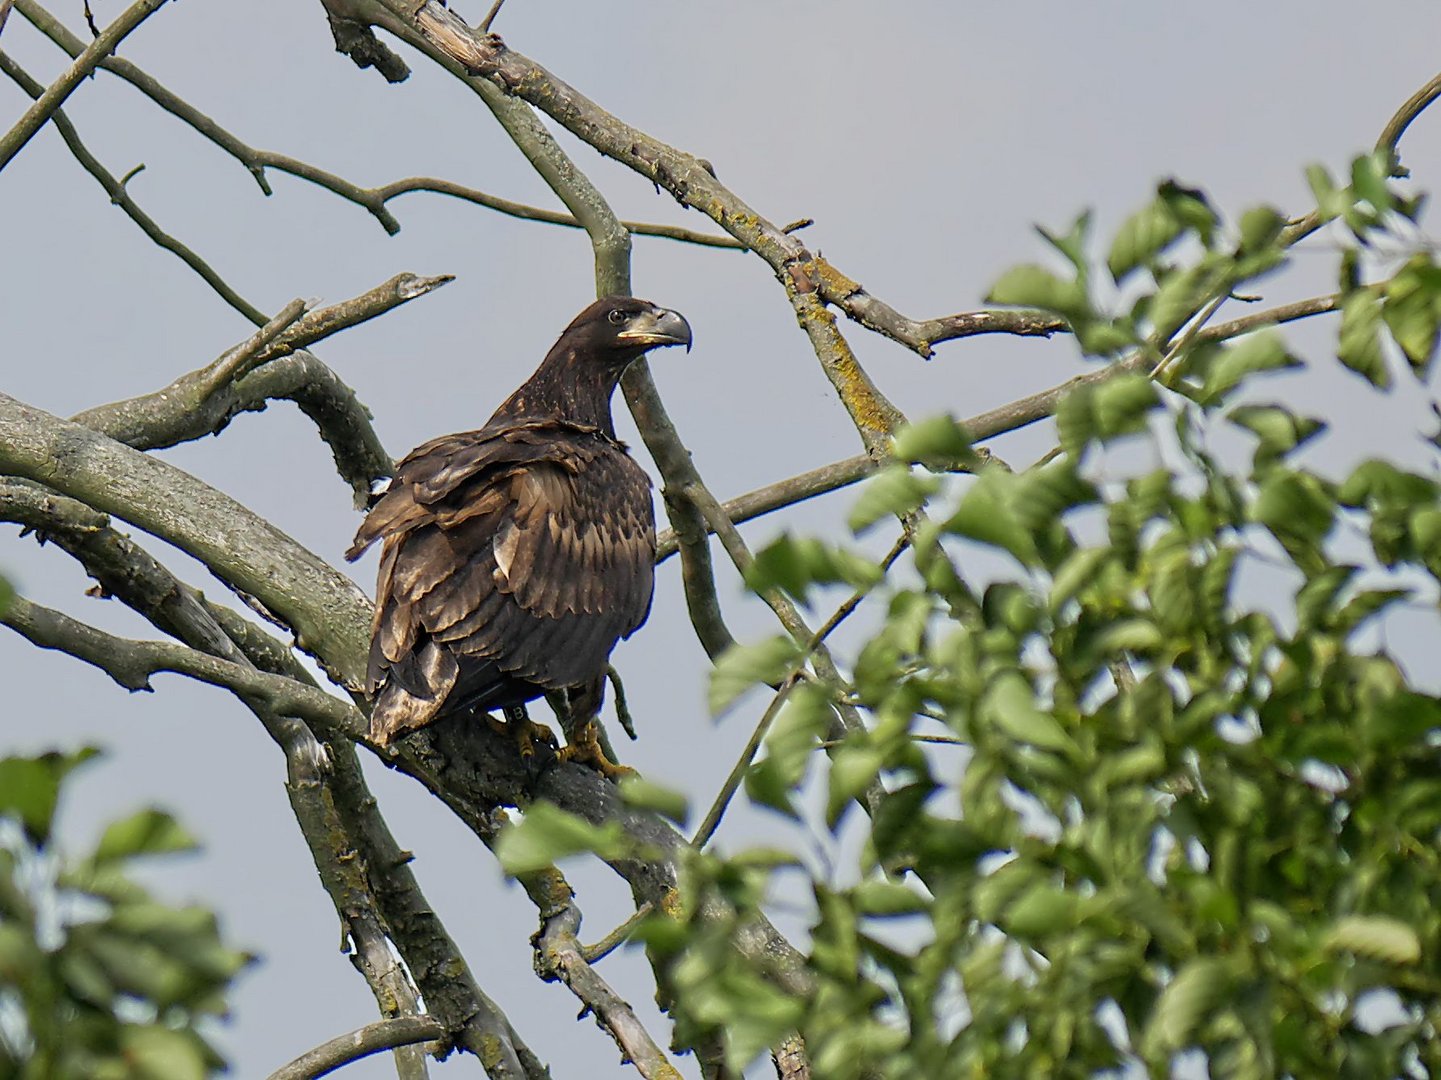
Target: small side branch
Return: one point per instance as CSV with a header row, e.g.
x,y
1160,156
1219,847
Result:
x,y
373,199
560,956
271,366
352,1046
49,100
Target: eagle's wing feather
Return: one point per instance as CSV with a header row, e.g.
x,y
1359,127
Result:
x,y
510,555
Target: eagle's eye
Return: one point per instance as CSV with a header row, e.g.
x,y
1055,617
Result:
x,y
617,317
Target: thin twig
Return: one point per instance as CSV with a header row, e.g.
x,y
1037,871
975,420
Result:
x,y
49,100
352,1046
732,783
121,198
372,199
5,6
616,938
484,26
245,356
1411,108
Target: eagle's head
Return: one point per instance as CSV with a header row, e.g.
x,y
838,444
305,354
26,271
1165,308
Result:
x,y
615,330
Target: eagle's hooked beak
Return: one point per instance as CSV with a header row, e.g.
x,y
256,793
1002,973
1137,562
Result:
x,y
655,327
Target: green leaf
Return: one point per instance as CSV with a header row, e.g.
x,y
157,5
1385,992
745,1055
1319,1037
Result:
x,y
641,793
30,788
1185,1004
790,745
794,564
987,514
1080,569
1041,910
1375,937
1035,286
1073,244
1261,226
158,1053
1369,176
1182,293
1331,201
853,768
1261,351
146,832
1412,310
893,492
1191,208
939,442
880,897
548,833
1010,705
1122,404
1293,504
743,666
1143,236
1359,344
1277,427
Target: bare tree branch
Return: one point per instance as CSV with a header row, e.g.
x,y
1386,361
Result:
x,y
560,957
125,570
809,279
203,402
330,801
48,102
372,199
132,664
121,198
790,1060
330,616
354,1045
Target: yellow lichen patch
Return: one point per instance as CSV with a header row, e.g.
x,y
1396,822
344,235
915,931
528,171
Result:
x,y
870,412
834,284
671,904
491,1051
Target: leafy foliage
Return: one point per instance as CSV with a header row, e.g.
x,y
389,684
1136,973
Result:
x,y
98,980
1190,815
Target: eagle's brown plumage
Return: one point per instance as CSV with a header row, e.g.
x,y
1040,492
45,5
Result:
x,y
516,556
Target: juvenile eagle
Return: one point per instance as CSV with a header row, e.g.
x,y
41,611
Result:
x,y
516,556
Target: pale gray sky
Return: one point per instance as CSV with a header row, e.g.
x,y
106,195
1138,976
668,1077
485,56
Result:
x,y
924,138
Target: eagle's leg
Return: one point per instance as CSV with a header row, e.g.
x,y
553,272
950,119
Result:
x,y
525,731
583,746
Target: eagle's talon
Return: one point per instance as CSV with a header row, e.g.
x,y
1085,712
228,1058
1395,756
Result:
x,y
585,749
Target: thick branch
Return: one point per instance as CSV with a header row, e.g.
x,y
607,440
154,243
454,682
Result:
x,y
48,102
127,571
329,615
354,1045
132,664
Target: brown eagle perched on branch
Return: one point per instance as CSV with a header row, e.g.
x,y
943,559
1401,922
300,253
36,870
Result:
x,y
515,557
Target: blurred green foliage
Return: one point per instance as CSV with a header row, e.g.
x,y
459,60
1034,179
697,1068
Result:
x,y
98,980
1191,814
